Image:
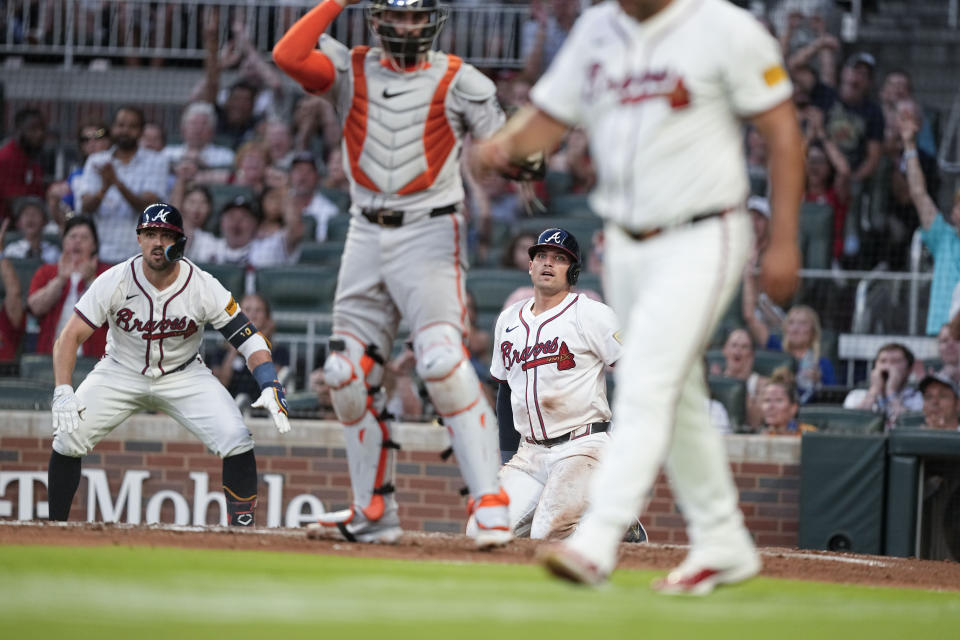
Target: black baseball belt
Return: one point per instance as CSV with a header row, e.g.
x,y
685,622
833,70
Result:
x,y
596,427
640,236
186,364
394,218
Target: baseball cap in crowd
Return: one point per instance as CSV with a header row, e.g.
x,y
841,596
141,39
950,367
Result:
x,y
861,57
242,202
760,205
304,156
940,379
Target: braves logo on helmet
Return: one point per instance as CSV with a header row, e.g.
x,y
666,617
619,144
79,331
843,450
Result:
x,y
161,215
565,241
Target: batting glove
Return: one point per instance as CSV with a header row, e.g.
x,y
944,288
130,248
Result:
x,y
273,399
67,410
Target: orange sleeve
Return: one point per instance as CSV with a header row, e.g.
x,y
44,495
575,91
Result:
x,y
296,51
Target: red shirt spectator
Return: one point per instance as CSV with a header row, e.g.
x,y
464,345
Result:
x,y
20,172
54,285
12,317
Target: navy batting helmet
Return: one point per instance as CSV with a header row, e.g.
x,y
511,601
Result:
x,y
563,240
161,215
401,44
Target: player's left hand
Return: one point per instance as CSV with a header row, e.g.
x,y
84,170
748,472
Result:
x,y
274,400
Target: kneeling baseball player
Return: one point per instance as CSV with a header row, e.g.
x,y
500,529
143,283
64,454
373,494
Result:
x,y
156,305
549,355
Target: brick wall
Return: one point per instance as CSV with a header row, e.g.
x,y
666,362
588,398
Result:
x,y
310,460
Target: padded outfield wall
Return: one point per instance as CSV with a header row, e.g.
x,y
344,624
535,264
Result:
x,y
150,469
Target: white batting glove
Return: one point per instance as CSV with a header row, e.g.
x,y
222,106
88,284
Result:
x,y
67,410
272,399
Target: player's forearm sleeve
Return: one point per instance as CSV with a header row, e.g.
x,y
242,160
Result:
x,y
296,52
509,438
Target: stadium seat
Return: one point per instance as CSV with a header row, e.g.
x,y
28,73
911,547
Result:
x,y
231,276
303,288
715,357
303,401
557,184
835,419
491,287
309,228
321,253
338,197
732,394
910,420
38,367
816,235
765,361
337,228
25,395
590,281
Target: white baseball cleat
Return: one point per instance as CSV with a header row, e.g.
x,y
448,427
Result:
x,y
356,527
492,519
567,564
696,579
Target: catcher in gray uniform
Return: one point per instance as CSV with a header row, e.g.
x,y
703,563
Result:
x,y
405,110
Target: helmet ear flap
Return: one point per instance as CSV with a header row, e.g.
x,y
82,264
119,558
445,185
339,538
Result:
x,y
573,273
175,251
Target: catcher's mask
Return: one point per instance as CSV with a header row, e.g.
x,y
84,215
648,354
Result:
x,y
406,44
563,240
161,215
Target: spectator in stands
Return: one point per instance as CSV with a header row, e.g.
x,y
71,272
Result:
x,y
195,205
230,367
738,357
21,173
781,405
896,88
941,403
801,339
251,166
273,205
400,387
948,351
92,137
517,253
55,288
888,392
12,317
236,119
153,137
762,315
939,233
828,181
315,121
305,195
543,35
821,50
31,217
278,140
197,125
854,121
239,244
117,184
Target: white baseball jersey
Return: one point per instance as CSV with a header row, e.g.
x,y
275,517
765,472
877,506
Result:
x,y
554,364
661,102
403,130
154,332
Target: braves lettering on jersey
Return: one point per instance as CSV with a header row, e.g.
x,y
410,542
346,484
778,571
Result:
x,y
661,103
554,363
154,332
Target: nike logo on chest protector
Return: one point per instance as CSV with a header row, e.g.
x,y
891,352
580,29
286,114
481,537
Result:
x,y
398,138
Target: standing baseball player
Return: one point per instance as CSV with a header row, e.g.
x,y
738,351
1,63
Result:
x,y
549,356
405,110
156,305
661,87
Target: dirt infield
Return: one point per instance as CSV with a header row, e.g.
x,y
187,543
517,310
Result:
x,y
779,563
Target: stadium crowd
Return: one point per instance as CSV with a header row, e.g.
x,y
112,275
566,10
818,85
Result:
x,y
256,170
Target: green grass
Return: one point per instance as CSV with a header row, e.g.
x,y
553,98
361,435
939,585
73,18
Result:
x,y
142,592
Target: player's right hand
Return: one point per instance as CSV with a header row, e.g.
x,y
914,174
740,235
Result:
x,y
67,410
779,271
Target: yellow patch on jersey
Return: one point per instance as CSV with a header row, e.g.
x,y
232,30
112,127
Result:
x,y
231,307
618,337
774,75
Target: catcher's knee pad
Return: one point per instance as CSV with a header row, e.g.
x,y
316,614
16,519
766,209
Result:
x,y
444,366
353,371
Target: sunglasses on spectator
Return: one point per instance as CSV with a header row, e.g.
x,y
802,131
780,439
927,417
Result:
x,y
96,135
